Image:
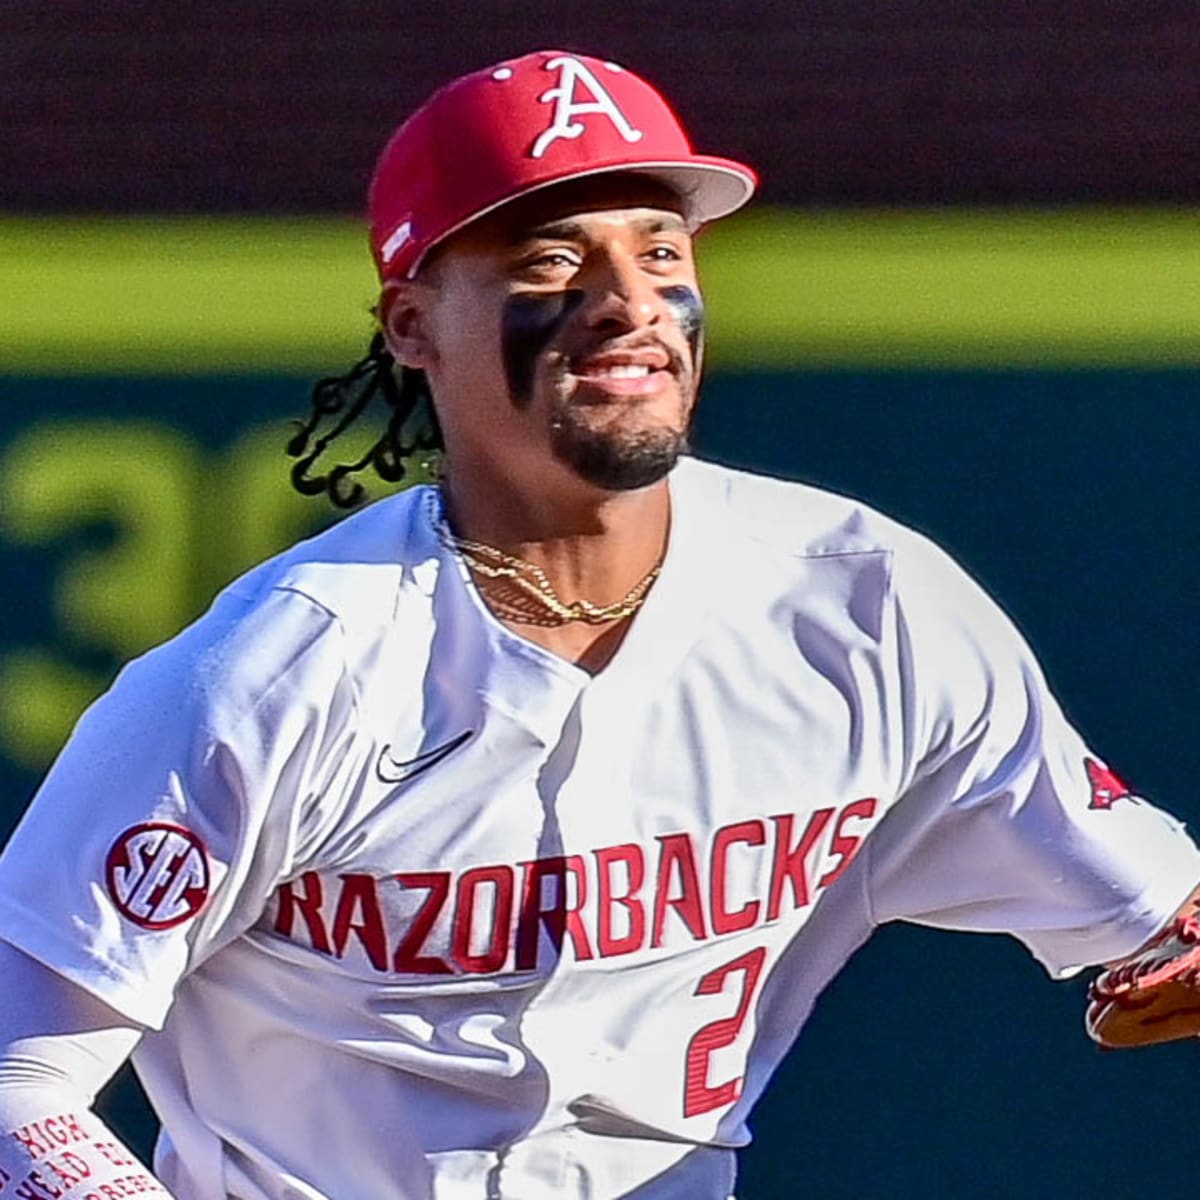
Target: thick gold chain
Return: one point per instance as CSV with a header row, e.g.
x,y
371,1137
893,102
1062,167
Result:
x,y
528,596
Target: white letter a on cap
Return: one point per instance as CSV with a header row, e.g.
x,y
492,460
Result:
x,y
567,107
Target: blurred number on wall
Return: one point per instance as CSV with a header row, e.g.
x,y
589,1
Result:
x,y
142,529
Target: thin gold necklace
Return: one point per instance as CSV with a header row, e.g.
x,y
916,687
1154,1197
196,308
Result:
x,y
528,582
522,591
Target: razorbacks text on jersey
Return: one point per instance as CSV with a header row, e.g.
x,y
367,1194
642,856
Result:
x,y
414,908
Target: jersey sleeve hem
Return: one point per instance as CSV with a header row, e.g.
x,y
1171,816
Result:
x,y
130,995
1140,919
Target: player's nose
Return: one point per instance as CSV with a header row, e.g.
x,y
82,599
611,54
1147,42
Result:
x,y
618,294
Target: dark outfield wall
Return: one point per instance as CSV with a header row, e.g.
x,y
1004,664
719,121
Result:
x,y
217,107
938,1065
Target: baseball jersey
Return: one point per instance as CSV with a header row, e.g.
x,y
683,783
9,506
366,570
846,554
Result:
x,y
413,908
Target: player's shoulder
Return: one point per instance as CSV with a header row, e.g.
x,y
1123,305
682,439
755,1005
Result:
x,y
352,570
297,625
786,520
832,555
794,518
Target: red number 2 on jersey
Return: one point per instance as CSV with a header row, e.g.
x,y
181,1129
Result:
x,y
698,1095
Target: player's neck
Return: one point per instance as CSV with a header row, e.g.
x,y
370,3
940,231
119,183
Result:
x,y
591,545
592,542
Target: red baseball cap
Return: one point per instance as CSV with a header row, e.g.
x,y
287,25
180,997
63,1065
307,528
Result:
x,y
486,138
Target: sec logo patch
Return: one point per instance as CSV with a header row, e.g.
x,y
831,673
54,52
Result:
x,y
157,874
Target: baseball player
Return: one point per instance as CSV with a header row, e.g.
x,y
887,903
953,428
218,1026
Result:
x,y
497,842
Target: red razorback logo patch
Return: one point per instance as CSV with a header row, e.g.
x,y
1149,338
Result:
x,y
157,874
1107,788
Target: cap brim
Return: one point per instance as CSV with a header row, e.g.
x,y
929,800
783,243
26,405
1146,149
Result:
x,y
709,188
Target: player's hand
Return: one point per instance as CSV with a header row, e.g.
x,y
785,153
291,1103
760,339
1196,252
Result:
x,y
1154,994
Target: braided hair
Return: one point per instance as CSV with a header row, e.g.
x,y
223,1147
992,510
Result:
x,y
341,399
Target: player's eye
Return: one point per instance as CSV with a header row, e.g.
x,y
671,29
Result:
x,y
664,254
662,257
552,260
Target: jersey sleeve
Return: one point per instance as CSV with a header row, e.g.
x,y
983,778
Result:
x,y
179,802
1007,821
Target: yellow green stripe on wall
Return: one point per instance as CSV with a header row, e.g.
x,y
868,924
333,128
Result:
x,y
786,289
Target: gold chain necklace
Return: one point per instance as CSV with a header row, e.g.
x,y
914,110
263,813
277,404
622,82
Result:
x,y
524,593
527,584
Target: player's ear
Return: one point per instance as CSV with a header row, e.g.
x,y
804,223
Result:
x,y
402,319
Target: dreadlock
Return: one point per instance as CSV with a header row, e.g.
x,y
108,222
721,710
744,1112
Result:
x,y
412,425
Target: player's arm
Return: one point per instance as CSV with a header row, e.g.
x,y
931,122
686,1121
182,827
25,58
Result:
x,y
58,1046
156,838
1152,995
1006,820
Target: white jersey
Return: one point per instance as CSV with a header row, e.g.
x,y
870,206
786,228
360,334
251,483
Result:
x,y
413,908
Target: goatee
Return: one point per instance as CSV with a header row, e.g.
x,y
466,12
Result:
x,y
615,461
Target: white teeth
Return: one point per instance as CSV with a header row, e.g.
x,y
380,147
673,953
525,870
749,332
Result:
x,y
625,371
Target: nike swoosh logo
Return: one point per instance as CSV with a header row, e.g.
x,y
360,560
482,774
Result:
x,y
393,770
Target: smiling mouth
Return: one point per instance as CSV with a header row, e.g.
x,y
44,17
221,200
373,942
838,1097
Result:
x,y
618,371
626,370
613,380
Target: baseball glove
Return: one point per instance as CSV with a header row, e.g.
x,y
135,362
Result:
x,y
1152,996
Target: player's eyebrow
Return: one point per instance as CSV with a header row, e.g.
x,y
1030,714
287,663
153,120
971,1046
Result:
x,y
570,230
552,231
665,223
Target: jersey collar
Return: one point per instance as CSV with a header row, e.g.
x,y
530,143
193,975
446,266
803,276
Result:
x,y
538,688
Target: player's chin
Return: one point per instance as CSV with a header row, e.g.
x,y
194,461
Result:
x,y
618,455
